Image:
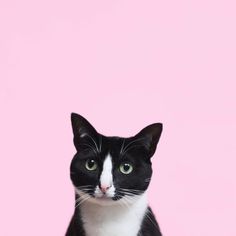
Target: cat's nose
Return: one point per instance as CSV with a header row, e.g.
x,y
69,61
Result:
x,y
104,188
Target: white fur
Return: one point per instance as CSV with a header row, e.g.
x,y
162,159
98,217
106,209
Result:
x,y
106,179
113,220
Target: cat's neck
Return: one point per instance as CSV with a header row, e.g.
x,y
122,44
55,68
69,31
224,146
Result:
x,y
114,220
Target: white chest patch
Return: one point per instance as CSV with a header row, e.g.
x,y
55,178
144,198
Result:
x,y
114,220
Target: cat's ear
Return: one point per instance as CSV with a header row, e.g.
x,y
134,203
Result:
x,y
81,128
150,136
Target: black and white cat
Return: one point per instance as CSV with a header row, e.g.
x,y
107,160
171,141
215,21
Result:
x,y
111,176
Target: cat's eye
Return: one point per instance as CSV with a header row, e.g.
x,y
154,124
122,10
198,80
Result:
x,y
126,168
91,165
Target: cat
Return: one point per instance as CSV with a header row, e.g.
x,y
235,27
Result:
x,y
110,176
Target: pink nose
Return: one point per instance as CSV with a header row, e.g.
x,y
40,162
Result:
x,y
104,188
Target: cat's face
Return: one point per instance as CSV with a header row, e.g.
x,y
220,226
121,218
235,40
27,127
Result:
x,y
107,169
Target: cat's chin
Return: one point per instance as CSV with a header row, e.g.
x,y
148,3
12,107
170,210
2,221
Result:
x,y
103,201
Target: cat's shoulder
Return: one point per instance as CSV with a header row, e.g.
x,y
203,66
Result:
x,y
149,225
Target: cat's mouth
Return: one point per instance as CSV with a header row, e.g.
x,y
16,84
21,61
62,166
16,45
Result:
x,y
101,196
103,200
108,197
104,194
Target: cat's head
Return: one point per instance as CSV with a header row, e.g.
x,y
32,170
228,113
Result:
x,y
107,169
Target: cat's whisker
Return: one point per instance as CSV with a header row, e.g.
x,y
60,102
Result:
x,y
133,191
125,202
82,201
122,147
84,186
136,140
120,200
100,143
126,193
121,203
92,140
132,199
133,146
90,147
122,190
127,199
131,195
85,190
81,196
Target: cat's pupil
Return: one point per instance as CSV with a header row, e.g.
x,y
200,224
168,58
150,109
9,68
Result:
x,y
126,167
91,164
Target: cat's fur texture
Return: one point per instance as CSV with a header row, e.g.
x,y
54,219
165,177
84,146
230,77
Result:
x,y
111,176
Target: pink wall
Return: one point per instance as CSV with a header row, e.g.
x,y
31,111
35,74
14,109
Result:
x,y
123,65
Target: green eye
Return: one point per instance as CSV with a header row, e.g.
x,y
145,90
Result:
x,y
91,165
126,168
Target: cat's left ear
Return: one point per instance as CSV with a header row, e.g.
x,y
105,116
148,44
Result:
x,y
150,136
82,129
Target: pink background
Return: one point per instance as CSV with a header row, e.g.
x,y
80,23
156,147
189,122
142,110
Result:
x,y
123,65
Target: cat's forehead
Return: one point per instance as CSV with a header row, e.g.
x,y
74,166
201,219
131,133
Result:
x,y
112,144
115,146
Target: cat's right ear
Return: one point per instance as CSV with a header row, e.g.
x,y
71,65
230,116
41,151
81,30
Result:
x,y
81,128
150,136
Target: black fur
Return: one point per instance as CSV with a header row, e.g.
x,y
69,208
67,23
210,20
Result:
x,y
137,151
